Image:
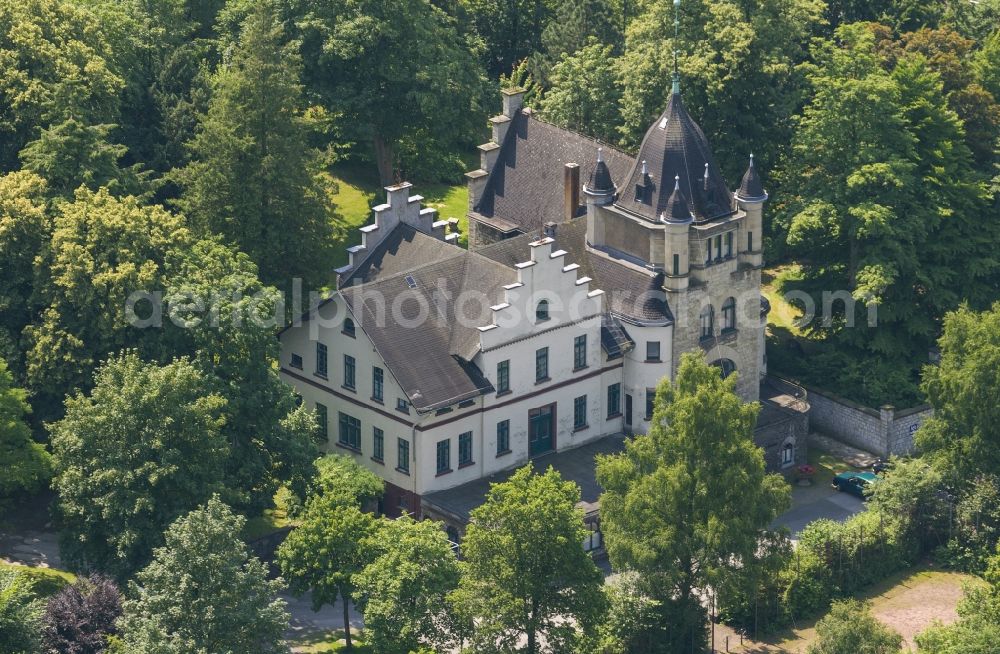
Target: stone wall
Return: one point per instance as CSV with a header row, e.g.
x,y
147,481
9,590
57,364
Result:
x,y
884,431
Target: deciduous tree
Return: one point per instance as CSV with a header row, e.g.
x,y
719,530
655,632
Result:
x,y
390,68
963,435
142,449
322,555
27,467
80,617
585,93
20,614
403,591
688,505
525,574
850,627
204,592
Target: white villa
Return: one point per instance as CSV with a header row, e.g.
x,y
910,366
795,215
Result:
x,y
589,272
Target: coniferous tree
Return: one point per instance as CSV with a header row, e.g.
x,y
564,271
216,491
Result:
x,y
254,177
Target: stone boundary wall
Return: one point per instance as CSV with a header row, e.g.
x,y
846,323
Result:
x,y
885,431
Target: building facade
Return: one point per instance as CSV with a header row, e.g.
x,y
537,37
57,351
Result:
x,y
589,272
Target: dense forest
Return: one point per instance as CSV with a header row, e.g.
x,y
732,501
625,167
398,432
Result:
x,y
185,147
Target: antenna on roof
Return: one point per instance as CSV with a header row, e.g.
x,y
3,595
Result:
x,y
677,36
677,182
706,175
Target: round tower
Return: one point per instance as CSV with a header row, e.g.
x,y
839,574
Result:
x,y
677,219
599,191
751,197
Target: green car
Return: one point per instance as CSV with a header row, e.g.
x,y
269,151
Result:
x,y
854,483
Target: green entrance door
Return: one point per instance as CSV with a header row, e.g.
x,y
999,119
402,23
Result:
x,y
541,430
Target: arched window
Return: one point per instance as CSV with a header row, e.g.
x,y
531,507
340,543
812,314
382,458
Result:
x,y
788,454
707,322
729,315
726,367
348,327
542,311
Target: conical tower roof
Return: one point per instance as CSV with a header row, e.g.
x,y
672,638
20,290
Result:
x,y
677,209
751,189
600,180
675,147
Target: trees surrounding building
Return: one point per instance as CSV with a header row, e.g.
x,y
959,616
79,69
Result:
x,y
525,576
686,506
203,591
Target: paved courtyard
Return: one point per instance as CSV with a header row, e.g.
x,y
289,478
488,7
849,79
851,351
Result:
x,y
834,506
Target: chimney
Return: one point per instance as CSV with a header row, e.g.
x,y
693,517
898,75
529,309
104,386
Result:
x,y
549,229
571,191
513,100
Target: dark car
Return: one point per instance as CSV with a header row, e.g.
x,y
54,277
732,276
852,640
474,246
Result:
x,y
854,483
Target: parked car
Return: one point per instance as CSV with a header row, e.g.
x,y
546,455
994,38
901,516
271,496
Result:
x,y
854,483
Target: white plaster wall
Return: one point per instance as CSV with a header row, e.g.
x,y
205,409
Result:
x,y
299,340
640,375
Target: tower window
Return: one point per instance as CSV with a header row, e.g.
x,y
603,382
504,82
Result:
x,y
677,265
729,315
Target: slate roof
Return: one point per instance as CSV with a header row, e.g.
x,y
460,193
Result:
x,y
600,178
675,146
677,210
404,249
431,361
751,188
630,291
525,188
578,464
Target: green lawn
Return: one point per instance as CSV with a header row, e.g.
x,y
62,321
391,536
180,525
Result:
x,y
272,519
47,580
356,190
326,642
783,315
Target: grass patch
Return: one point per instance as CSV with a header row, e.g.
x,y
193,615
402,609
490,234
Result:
x,y
272,520
48,581
326,642
784,315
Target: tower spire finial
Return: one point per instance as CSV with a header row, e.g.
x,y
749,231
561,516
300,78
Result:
x,y
677,36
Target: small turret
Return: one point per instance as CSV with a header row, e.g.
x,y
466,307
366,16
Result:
x,y
600,183
677,210
599,192
751,189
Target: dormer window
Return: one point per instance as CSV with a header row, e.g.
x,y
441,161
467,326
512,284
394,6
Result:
x,y
348,327
542,311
